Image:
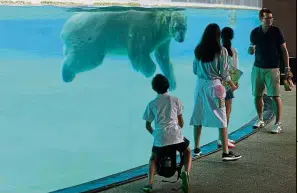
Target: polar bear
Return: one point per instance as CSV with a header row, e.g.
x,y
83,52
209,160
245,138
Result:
x,y
89,36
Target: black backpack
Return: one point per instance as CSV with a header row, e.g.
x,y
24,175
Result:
x,y
167,165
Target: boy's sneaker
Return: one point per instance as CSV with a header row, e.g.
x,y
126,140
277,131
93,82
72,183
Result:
x,y
197,151
148,188
259,124
276,128
231,156
231,143
185,181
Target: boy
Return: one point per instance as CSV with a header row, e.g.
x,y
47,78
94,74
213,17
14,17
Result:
x,y
166,111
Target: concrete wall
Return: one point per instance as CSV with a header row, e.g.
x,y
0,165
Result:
x,y
284,12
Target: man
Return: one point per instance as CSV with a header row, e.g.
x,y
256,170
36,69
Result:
x,y
268,45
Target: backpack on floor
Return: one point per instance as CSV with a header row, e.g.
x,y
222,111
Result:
x,y
167,165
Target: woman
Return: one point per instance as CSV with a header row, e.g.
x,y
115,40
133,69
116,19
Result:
x,y
227,34
211,68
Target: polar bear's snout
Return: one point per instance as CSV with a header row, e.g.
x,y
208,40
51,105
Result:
x,y
179,36
67,74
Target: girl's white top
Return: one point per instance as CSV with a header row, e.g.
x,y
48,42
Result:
x,y
233,61
217,69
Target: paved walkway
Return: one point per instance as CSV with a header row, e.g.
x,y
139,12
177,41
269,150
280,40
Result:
x,y
268,163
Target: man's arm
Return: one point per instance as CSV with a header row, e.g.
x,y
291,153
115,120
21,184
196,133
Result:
x,y
149,127
284,51
285,55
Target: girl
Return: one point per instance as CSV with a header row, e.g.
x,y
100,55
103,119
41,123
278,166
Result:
x,y
227,34
211,68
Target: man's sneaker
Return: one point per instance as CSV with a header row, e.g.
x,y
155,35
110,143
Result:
x,y
231,156
197,152
276,128
231,143
148,188
185,182
259,124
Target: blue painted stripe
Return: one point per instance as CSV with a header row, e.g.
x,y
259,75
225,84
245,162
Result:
x,y
141,172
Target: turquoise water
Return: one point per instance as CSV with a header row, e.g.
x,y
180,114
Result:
x,y
56,134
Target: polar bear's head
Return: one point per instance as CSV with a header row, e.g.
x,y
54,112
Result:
x,y
177,25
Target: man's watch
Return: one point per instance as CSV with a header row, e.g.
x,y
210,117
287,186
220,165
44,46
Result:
x,y
288,72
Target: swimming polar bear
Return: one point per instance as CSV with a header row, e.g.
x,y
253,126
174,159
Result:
x,y
89,36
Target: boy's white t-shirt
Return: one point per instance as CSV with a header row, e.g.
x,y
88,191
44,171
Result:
x,y
164,110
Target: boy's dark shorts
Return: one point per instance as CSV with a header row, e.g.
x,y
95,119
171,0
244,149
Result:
x,y
229,95
181,147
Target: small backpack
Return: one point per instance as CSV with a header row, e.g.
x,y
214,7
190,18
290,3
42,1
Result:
x,y
167,165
